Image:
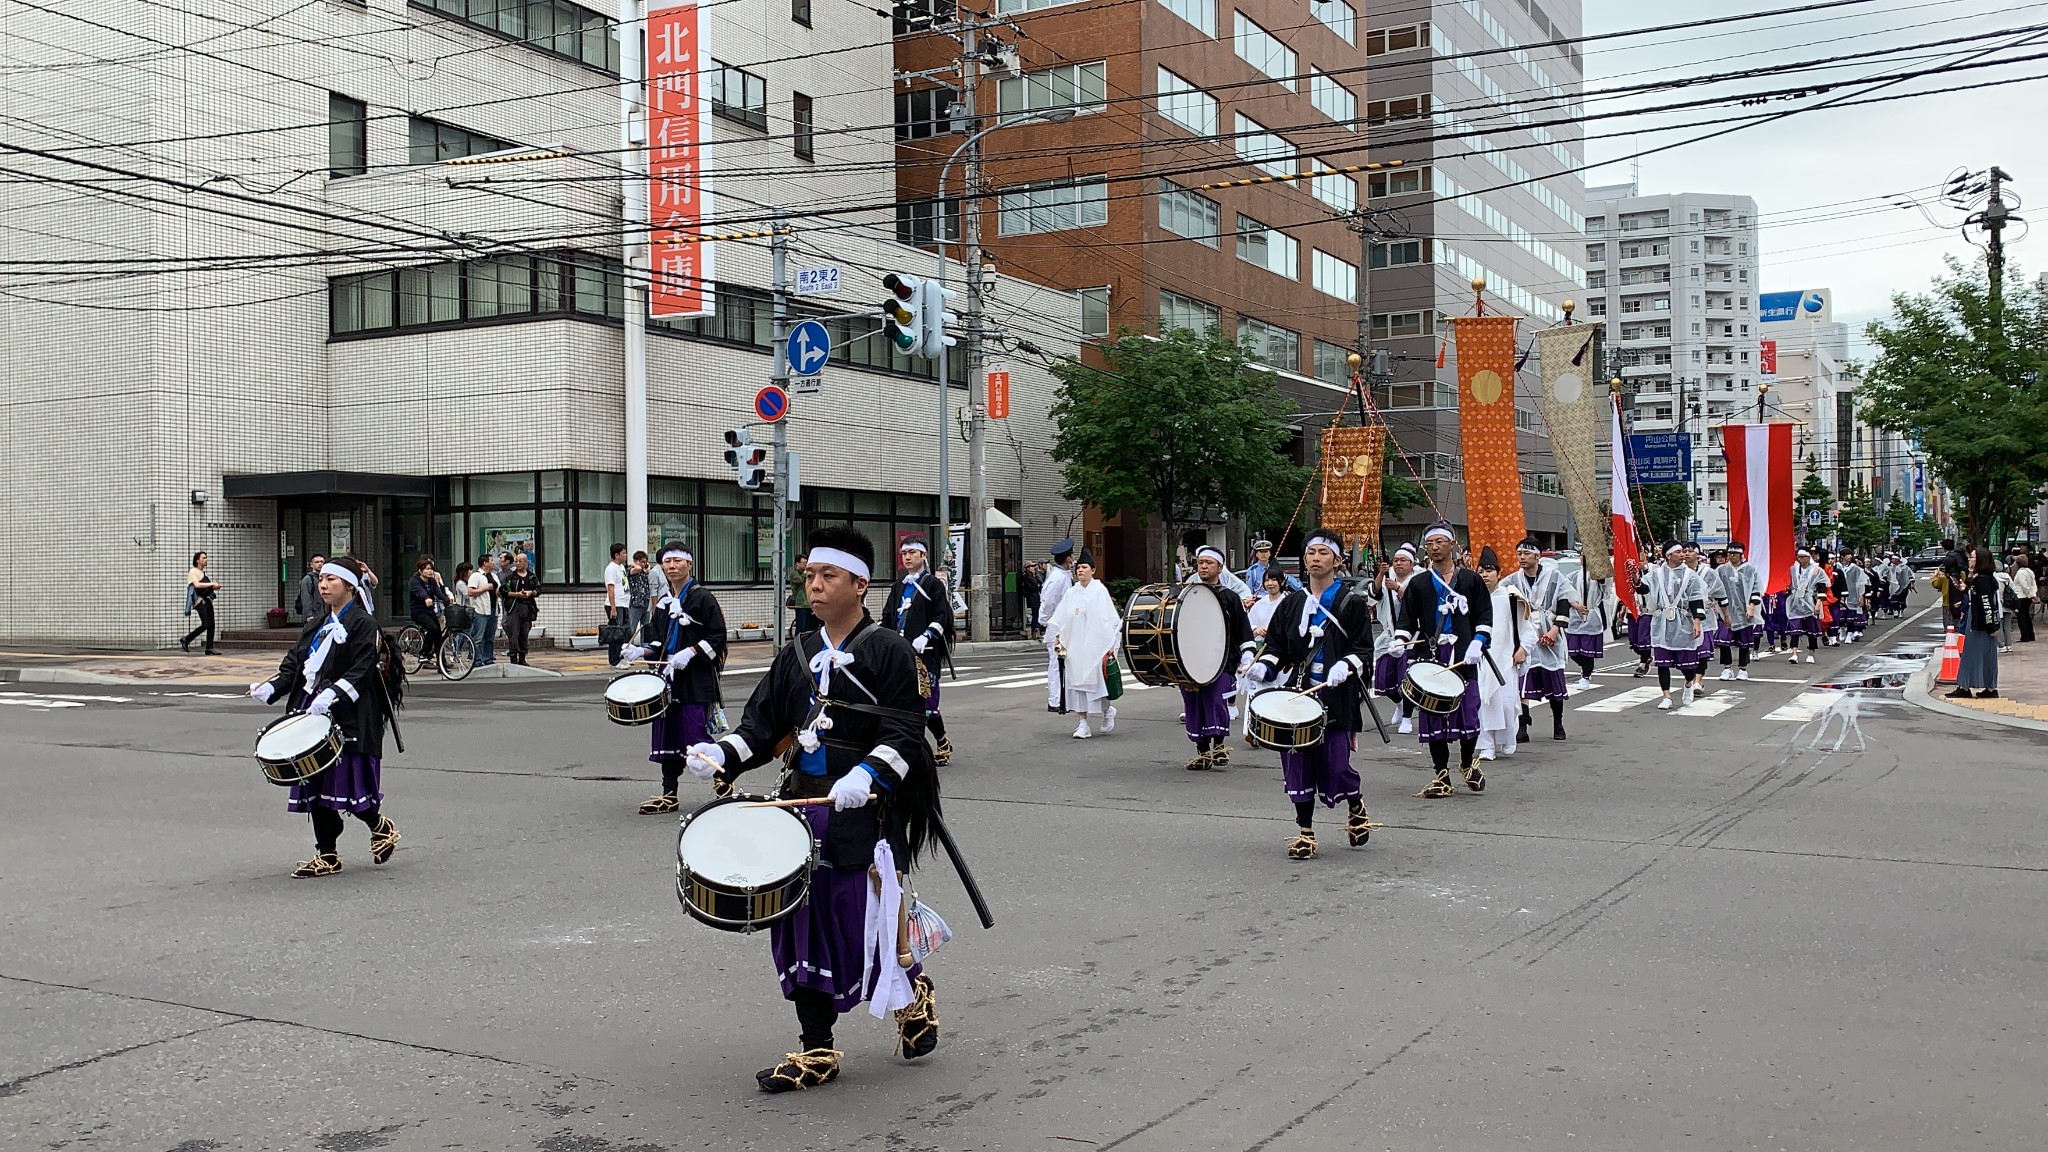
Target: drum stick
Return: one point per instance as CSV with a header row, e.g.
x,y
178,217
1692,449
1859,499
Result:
x,y
813,802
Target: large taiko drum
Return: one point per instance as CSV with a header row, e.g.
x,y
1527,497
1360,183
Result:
x,y
1177,635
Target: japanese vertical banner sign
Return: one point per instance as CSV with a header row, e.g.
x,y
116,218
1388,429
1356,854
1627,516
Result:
x,y
678,177
1761,497
1486,431
1352,462
1573,410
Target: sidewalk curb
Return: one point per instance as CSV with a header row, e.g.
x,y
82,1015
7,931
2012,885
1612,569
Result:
x,y
74,676
1920,691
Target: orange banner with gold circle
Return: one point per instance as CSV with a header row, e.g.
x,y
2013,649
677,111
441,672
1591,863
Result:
x,y
1486,432
1352,459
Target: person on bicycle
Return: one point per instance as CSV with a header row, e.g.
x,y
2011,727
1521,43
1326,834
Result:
x,y
426,599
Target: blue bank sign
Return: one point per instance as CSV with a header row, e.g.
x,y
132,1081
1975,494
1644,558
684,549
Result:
x,y
1660,458
1811,304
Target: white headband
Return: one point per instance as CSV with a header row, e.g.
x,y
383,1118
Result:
x,y
1439,530
668,552
1407,550
1213,553
1669,549
914,546
838,559
338,572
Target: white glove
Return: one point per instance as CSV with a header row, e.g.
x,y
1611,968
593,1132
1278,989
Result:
x,y
632,652
1474,653
1245,664
681,659
261,692
322,704
851,790
1260,672
1339,673
921,643
704,760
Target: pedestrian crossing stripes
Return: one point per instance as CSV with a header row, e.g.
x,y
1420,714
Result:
x,y
1621,702
1799,709
1806,705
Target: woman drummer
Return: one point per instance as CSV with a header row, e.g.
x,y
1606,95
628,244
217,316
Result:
x,y
337,670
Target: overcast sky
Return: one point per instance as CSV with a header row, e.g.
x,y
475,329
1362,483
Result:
x,y
1821,178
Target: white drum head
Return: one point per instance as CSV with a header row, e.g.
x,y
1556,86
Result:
x,y
1199,635
634,688
1287,707
734,844
293,737
1437,679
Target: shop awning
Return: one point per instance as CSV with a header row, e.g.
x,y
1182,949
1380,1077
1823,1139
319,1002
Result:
x,y
274,485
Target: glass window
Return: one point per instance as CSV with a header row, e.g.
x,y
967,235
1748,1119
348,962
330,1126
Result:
x,y
1403,108
921,113
725,494
500,287
1181,102
597,529
1401,38
1263,50
431,294
1332,276
501,488
554,486
1389,325
1188,214
557,27
1332,99
737,94
729,552
348,148
867,503
1177,311
917,221
1403,182
1270,343
664,491
1335,189
553,556
1338,16
497,532
1079,203
1076,86
600,488
431,142
800,11
1094,311
1200,13
669,526
1332,367
833,500
1269,248
802,126
1399,253
1262,149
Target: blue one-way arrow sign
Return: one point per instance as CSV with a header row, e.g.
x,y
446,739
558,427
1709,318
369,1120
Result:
x,y
809,347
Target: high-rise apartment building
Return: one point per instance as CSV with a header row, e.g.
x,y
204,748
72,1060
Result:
x,y
1675,280
1479,103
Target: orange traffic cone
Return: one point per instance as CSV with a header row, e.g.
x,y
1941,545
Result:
x,y
1951,658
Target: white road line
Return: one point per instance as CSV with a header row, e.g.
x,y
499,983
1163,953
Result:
x,y
1721,701
1806,705
38,702
1005,681
1622,702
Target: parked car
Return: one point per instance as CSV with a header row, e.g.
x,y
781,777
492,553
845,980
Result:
x,y
1926,558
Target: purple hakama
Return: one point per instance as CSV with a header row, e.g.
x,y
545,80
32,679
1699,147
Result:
x,y
1463,724
1639,633
820,946
1802,626
1322,771
1543,684
1585,645
354,784
680,726
1387,673
1208,711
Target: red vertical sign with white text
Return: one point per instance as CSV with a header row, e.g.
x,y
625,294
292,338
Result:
x,y
678,175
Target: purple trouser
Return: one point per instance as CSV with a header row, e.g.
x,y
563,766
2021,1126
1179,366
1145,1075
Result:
x,y
1322,771
1208,711
674,731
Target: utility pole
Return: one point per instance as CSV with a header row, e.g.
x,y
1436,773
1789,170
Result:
x,y
778,248
1993,220
977,582
639,266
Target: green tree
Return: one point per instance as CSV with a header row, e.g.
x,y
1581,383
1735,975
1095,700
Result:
x,y
1959,371
1666,510
1813,496
1915,531
1861,527
1173,425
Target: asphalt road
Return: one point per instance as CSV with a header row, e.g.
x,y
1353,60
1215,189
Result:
x,y
1686,931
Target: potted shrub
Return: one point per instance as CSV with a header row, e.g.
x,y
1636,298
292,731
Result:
x,y
277,618
752,630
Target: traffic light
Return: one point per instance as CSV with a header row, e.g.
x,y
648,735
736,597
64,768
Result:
x,y
749,460
900,320
932,319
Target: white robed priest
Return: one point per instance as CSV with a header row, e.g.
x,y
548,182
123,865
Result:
x,y
1083,632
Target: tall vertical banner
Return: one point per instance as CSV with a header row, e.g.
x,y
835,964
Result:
x,y
1486,431
1628,562
678,151
1353,459
1761,511
1572,411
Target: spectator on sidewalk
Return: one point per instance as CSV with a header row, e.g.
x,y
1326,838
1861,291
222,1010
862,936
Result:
x,y
308,603
639,591
802,619
200,590
1029,582
1977,674
426,598
617,601
2026,591
482,590
520,588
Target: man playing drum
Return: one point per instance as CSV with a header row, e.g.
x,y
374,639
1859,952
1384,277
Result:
x,y
1390,660
844,700
336,670
1207,710
1449,621
685,631
1322,638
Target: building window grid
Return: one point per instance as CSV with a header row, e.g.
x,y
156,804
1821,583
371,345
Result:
x,y
1200,13
803,126
430,141
921,113
1081,87
1268,248
1401,182
556,27
1186,105
1094,311
1263,150
1185,312
1333,99
1054,207
1399,38
1270,343
1338,17
1189,214
1264,51
1335,189
1332,276
348,144
737,95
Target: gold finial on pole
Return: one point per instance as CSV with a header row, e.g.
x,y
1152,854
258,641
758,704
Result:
x,y
1614,386
1570,306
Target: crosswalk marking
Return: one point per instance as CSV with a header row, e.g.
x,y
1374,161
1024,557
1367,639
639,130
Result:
x,y
1713,705
1621,702
1806,705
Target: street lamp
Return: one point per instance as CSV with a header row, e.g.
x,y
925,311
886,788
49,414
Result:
x,y
977,478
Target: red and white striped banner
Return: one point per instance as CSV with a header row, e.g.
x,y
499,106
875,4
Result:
x,y
1628,560
1761,513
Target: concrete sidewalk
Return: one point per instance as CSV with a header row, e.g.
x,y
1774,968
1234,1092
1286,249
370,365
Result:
x,y
2022,700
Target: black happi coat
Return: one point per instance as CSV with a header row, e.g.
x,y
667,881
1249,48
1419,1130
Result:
x,y
352,670
666,635
877,719
1348,639
1418,605
930,613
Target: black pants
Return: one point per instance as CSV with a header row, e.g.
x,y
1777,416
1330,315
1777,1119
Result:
x,y
611,650
1440,753
517,627
204,610
815,1016
431,625
2025,612
327,826
1744,649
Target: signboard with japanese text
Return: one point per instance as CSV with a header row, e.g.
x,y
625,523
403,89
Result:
x,y
999,392
678,174
1660,458
1767,357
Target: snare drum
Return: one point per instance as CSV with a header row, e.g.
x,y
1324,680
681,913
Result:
x,y
741,868
1285,720
297,747
1433,688
1176,634
637,697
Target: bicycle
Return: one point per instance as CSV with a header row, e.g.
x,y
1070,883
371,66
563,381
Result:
x,y
454,659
